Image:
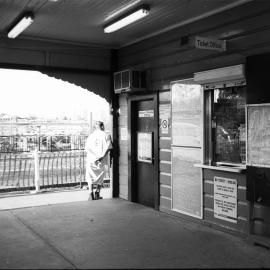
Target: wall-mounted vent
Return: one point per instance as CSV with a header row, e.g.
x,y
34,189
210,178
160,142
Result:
x,y
184,40
129,81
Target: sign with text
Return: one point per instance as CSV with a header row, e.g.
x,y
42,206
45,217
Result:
x,y
147,113
123,134
164,129
210,44
144,146
164,116
225,199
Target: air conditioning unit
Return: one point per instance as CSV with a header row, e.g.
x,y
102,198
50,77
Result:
x,y
127,81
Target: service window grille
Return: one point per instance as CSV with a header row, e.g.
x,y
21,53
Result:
x,y
225,117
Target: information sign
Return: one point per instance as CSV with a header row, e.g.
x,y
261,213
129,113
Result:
x,y
123,134
210,44
225,199
164,116
147,113
144,146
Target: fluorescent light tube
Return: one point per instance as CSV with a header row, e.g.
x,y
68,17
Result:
x,y
20,26
135,16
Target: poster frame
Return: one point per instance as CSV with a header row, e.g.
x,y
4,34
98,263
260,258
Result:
x,y
200,181
247,125
150,161
189,81
201,147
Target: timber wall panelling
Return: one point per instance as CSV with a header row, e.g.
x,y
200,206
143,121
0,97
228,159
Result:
x,y
246,30
88,67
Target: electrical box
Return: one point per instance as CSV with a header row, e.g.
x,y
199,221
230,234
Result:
x,y
129,81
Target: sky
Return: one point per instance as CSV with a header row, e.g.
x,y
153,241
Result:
x,y
31,93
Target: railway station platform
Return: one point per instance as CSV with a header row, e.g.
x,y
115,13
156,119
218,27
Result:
x,y
113,234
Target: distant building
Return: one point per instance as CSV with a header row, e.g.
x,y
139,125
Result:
x,y
15,125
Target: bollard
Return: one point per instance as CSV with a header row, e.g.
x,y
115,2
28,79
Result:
x,y
36,168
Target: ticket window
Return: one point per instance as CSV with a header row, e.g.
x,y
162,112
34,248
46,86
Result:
x,y
225,125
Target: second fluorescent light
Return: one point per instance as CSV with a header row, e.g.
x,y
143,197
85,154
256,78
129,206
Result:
x,y
21,26
135,16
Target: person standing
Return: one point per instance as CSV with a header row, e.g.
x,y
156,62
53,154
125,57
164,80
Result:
x,y
97,146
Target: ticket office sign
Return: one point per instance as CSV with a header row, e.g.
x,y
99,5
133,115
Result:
x,y
209,44
225,199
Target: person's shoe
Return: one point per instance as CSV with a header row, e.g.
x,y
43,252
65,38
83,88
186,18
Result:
x,y
97,196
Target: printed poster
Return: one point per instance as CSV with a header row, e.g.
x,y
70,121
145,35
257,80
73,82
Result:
x,y
123,134
225,199
144,146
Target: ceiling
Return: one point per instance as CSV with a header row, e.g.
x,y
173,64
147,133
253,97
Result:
x,y
82,21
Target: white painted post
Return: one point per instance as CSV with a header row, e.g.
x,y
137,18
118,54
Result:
x,y
36,162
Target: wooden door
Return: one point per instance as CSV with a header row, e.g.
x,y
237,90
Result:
x,y
144,151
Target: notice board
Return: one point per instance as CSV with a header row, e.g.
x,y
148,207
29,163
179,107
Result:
x,y
186,114
187,181
225,199
258,135
186,100
144,146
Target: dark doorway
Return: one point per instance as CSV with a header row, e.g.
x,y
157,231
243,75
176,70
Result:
x,y
143,150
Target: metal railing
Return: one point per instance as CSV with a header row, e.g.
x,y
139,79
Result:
x,y
56,169
16,171
28,143
43,170
61,168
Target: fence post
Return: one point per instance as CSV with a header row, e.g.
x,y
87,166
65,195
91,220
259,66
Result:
x,y
36,168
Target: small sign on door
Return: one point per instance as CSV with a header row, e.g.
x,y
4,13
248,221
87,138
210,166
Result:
x,y
147,113
144,146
